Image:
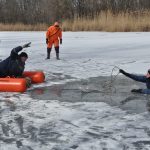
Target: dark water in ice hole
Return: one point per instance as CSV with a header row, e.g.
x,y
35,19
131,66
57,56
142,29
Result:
x,y
97,89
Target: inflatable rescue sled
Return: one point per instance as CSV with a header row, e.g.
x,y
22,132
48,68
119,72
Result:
x,y
19,84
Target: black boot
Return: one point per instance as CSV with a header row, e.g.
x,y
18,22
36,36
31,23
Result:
x,y
136,90
48,56
48,53
57,56
57,52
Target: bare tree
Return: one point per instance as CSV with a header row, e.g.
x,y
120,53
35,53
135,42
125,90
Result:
x,y
48,11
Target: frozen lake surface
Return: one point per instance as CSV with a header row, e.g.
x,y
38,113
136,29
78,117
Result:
x,y
78,107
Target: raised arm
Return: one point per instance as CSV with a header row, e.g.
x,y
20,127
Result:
x,y
139,78
15,51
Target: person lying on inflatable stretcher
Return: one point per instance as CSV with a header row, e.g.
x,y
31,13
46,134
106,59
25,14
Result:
x,y
14,65
139,78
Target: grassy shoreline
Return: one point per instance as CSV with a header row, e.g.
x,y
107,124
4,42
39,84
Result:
x,y
122,22
22,27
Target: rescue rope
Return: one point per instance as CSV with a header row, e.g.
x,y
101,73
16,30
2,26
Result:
x,y
108,86
113,79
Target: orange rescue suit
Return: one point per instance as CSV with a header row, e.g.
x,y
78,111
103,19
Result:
x,y
53,34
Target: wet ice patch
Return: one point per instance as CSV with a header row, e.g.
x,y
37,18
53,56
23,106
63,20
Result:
x,y
97,89
47,124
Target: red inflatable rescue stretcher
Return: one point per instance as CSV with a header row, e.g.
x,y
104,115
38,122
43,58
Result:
x,y
19,84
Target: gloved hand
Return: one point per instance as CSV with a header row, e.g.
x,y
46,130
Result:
x,y
46,41
60,41
136,90
121,71
26,45
28,82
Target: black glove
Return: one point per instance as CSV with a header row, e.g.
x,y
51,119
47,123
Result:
x,y
60,41
136,90
121,71
28,82
26,45
46,41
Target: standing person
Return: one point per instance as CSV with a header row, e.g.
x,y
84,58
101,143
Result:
x,y
53,37
139,78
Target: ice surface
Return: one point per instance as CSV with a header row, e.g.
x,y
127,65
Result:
x,y
30,123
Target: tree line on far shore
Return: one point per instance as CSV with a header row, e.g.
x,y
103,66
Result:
x,y
48,11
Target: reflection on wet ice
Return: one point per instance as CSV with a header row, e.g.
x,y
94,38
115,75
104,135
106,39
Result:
x,y
96,89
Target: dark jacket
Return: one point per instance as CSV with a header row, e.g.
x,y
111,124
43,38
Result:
x,y
140,78
12,66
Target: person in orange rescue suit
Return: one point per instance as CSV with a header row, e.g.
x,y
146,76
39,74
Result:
x,y
53,37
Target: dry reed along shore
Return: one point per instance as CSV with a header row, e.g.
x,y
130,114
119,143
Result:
x,y
109,22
